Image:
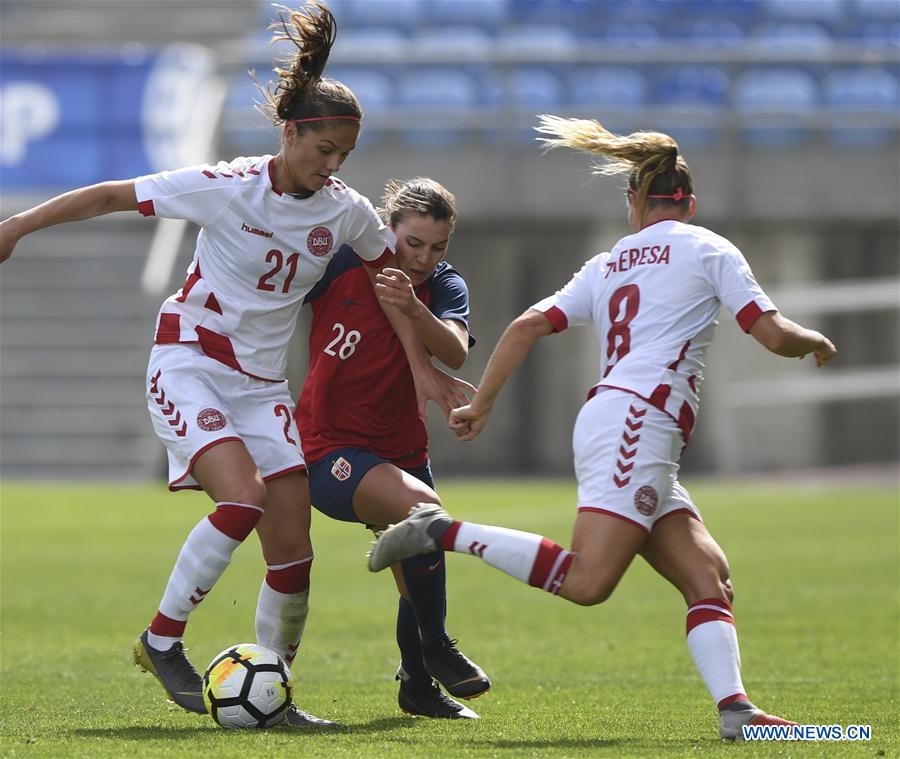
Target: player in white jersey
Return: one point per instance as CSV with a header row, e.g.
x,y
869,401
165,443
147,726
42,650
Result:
x,y
653,302
216,388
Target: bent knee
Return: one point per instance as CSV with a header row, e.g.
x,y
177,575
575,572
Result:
x,y
590,593
252,492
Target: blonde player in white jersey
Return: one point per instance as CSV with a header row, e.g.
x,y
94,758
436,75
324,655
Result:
x,y
653,301
216,385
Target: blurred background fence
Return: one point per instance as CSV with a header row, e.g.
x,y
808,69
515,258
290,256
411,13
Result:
x,y
788,112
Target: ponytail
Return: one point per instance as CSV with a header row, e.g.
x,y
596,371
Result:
x,y
656,170
301,93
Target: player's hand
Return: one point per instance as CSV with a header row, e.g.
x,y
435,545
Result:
x,y
9,236
824,354
394,288
447,392
467,422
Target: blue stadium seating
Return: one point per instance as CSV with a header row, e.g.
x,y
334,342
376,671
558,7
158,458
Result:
x,y
490,15
876,10
572,13
741,12
441,89
791,36
693,87
466,44
762,95
710,33
879,34
377,44
402,14
831,12
538,41
864,91
630,34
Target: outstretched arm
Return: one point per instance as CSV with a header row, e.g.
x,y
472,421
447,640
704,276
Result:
x,y
83,203
512,348
786,338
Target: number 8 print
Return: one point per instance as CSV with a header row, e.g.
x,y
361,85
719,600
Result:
x,y
618,339
347,347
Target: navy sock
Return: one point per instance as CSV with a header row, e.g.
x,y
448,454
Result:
x,y
410,645
426,583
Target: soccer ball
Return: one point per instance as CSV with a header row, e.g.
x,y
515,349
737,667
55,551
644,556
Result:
x,y
247,686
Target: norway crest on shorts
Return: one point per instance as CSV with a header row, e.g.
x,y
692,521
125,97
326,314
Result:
x,y
341,469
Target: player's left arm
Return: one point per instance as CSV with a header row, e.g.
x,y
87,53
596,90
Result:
x,y
445,339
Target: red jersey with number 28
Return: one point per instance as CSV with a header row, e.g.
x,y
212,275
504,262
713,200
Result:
x,y
359,389
653,302
258,253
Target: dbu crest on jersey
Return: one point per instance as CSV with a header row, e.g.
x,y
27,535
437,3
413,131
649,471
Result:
x,y
341,469
645,500
210,419
320,241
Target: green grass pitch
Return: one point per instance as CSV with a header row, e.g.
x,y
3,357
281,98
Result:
x,y
815,573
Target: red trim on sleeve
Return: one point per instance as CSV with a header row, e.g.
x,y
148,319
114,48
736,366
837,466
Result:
x,y
379,262
145,208
558,320
748,315
169,329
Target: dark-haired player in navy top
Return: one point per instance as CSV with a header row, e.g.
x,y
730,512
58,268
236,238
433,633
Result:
x,y
363,435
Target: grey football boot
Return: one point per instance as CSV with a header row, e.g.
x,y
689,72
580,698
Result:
x,y
419,533
296,717
174,671
731,723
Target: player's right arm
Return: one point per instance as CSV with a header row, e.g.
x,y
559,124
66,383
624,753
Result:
x,y
512,348
789,339
83,203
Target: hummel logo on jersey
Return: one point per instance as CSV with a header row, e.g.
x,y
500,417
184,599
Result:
x,y
341,469
255,231
349,302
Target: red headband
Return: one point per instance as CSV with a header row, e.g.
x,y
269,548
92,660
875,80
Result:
x,y
324,118
679,194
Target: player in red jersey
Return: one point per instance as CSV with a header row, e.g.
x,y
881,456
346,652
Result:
x,y
365,444
215,384
653,302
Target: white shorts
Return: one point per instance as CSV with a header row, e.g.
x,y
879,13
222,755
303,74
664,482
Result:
x,y
196,402
626,460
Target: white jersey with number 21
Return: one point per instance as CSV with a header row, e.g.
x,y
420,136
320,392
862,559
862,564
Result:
x,y
259,252
653,301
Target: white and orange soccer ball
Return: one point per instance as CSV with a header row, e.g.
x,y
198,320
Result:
x,y
247,686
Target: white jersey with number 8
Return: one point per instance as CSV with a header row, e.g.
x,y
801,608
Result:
x,y
258,254
653,302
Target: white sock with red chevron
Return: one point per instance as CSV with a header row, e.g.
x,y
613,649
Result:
x,y
531,558
202,560
712,639
282,607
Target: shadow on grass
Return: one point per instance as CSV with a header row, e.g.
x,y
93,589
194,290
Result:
x,y
157,732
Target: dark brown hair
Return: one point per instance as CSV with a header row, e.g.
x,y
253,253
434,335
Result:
x,y
300,91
